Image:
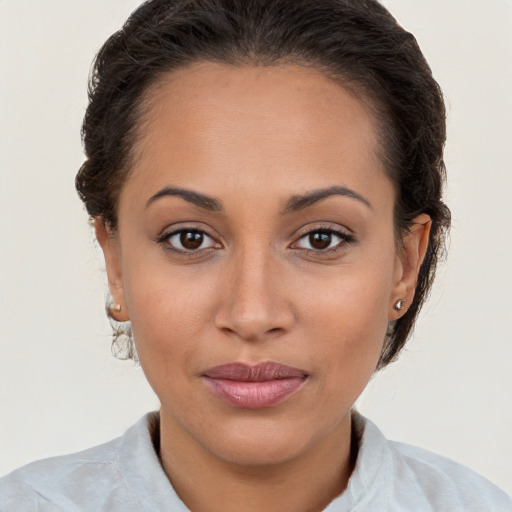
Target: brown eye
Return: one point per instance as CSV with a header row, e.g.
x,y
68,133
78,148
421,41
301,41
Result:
x,y
320,240
191,239
323,240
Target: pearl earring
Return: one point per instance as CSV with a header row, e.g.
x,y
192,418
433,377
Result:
x,y
116,308
399,304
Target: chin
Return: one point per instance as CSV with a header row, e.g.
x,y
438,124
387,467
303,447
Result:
x,y
261,443
258,451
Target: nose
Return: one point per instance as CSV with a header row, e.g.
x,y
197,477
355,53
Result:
x,y
254,305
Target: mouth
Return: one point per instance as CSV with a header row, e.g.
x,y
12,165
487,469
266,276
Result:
x,y
254,386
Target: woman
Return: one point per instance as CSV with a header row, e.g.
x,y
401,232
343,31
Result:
x,y
265,182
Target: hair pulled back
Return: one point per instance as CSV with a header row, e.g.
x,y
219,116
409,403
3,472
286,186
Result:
x,y
355,42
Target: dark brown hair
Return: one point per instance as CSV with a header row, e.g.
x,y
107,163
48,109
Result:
x,y
358,43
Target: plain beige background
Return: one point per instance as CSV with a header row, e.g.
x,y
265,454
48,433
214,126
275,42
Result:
x,y
61,391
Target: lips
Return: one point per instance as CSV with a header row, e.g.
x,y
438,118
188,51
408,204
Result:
x,y
254,386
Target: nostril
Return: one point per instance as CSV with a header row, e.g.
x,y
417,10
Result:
x,y
252,316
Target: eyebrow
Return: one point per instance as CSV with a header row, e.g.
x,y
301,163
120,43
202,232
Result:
x,y
299,202
295,204
196,198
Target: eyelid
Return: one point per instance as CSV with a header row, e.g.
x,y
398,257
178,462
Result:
x,y
164,237
344,234
346,237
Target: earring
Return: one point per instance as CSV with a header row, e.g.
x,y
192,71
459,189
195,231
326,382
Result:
x,y
399,304
116,308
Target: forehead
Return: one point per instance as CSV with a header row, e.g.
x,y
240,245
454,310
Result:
x,y
212,124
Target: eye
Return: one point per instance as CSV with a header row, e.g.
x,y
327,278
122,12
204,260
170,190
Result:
x,y
323,239
188,240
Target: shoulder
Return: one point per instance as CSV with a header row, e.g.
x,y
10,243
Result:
x,y
445,483
411,478
435,467
40,485
87,480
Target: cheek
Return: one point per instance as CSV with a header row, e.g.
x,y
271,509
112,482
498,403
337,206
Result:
x,y
351,334
347,315
169,310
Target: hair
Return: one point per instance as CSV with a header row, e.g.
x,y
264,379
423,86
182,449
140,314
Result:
x,y
357,43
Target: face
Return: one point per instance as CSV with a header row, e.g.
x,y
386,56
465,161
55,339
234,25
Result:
x,y
255,257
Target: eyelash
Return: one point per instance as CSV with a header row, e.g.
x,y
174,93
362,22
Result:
x,y
166,237
345,238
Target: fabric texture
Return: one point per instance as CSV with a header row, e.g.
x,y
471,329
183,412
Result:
x,y
125,475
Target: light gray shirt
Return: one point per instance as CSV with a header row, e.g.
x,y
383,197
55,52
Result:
x,y
125,475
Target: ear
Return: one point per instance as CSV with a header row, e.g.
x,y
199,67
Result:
x,y
407,264
110,246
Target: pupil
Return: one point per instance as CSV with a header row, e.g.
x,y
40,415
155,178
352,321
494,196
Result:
x,y
191,239
320,240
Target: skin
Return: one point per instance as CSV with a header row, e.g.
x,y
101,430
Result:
x,y
257,289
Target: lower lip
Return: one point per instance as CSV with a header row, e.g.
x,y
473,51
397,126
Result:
x,y
255,395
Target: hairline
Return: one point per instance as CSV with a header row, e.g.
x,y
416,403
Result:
x,y
359,91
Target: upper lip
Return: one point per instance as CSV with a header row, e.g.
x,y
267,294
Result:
x,y
254,373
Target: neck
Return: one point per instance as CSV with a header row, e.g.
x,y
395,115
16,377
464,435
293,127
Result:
x,y
307,482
